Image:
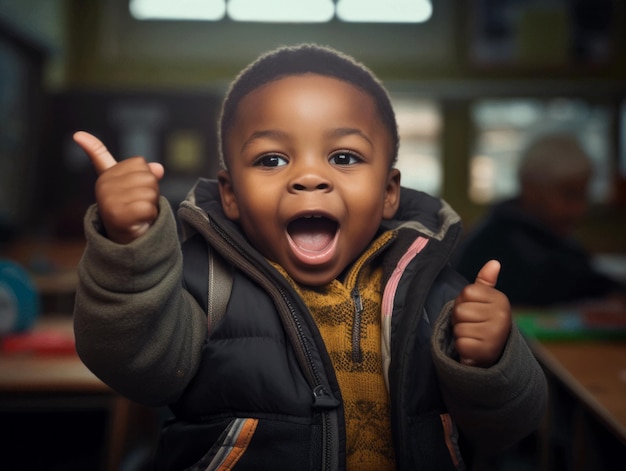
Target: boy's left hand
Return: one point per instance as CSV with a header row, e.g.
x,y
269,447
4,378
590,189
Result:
x,y
481,319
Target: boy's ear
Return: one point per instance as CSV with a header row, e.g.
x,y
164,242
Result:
x,y
227,194
392,194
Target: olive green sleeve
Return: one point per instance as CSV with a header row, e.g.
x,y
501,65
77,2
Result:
x,y
136,328
497,406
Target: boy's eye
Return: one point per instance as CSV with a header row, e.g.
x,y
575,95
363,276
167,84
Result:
x,y
344,158
271,160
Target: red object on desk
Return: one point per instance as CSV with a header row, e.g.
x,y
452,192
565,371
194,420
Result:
x,y
44,342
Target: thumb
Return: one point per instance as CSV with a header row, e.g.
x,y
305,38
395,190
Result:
x,y
157,170
488,274
95,149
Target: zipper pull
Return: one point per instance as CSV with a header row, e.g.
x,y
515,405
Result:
x,y
322,399
358,303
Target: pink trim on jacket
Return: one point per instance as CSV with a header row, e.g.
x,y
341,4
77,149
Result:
x,y
387,303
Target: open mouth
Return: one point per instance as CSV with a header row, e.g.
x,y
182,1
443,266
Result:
x,y
312,233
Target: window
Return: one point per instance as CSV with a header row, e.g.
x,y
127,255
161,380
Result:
x,y
505,126
281,11
285,11
384,11
419,158
206,10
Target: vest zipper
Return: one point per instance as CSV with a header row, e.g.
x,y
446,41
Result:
x,y
322,399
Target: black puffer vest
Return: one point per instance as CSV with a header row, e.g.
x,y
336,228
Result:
x,y
265,395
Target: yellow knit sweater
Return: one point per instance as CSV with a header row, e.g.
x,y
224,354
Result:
x,y
356,356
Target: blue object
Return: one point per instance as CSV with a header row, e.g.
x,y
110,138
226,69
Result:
x,y
19,299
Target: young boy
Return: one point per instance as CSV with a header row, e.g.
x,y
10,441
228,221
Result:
x,y
347,341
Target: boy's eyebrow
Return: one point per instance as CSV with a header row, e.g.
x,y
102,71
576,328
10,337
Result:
x,y
340,132
272,133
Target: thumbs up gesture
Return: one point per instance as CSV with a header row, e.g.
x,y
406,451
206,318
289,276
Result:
x,y
481,319
127,192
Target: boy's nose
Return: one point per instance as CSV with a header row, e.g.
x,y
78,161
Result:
x,y
311,181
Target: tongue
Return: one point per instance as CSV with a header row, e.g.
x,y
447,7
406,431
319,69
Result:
x,y
313,234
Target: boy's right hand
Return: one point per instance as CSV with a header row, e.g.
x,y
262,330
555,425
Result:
x,y
127,192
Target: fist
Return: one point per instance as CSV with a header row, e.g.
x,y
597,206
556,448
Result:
x,y
481,319
127,192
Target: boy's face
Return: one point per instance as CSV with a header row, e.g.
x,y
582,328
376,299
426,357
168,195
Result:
x,y
309,176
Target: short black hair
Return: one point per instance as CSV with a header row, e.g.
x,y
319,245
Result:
x,y
297,60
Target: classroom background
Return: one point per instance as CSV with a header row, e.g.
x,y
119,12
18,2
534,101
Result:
x,y
472,83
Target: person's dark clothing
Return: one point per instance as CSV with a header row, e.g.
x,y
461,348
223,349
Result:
x,y
539,267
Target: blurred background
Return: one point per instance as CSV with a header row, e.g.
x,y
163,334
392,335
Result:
x,y
472,82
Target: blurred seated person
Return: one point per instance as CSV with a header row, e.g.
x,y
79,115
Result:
x,y
531,234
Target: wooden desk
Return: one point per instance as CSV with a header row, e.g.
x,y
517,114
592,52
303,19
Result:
x,y
594,373
31,381
64,372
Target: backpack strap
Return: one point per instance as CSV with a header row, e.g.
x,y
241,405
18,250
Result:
x,y
207,277
219,286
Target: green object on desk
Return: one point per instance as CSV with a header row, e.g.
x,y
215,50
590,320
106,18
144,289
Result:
x,y
572,324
